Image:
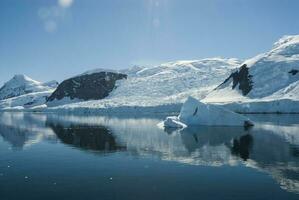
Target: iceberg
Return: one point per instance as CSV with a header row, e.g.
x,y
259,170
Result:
x,y
194,112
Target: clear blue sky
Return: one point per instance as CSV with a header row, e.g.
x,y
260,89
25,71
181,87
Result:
x,y
56,39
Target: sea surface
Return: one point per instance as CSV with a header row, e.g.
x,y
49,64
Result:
x,y
48,156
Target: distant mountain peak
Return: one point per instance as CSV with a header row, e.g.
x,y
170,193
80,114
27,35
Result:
x,y
21,84
22,79
20,76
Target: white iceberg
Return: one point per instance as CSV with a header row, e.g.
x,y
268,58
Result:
x,y
195,112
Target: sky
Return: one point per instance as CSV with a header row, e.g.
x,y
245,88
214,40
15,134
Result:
x,y
56,39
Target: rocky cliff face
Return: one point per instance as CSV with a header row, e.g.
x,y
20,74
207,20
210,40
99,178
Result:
x,y
87,86
240,78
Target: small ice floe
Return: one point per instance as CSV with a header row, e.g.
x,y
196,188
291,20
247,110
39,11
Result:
x,y
195,112
173,122
171,125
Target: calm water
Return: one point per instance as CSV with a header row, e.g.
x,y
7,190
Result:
x,y
71,157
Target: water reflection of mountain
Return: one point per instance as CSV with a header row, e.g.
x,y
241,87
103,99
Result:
x,y
274,153
24,129
271,148
236,141
90,138
267,147
196,137
16,137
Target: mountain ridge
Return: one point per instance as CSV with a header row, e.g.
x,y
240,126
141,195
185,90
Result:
x,y
268,82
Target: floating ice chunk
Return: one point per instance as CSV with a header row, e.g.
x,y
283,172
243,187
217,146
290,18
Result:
x,y
195,112
173,122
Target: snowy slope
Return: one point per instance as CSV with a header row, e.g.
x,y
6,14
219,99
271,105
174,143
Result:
x,y
270,78
169,83
25,101
176,79
24,92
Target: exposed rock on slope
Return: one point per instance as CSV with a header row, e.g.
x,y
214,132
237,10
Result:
x,y
86,87
240,78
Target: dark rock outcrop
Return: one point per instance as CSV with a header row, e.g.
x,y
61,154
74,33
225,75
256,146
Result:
x,y
294,71
242,146
87,87
241,78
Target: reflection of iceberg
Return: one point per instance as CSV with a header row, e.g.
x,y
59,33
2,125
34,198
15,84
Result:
x,y
215,146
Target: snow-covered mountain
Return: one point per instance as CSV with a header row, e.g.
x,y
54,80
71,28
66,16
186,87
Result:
x,y
22,91
21,84
271,77
166,84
